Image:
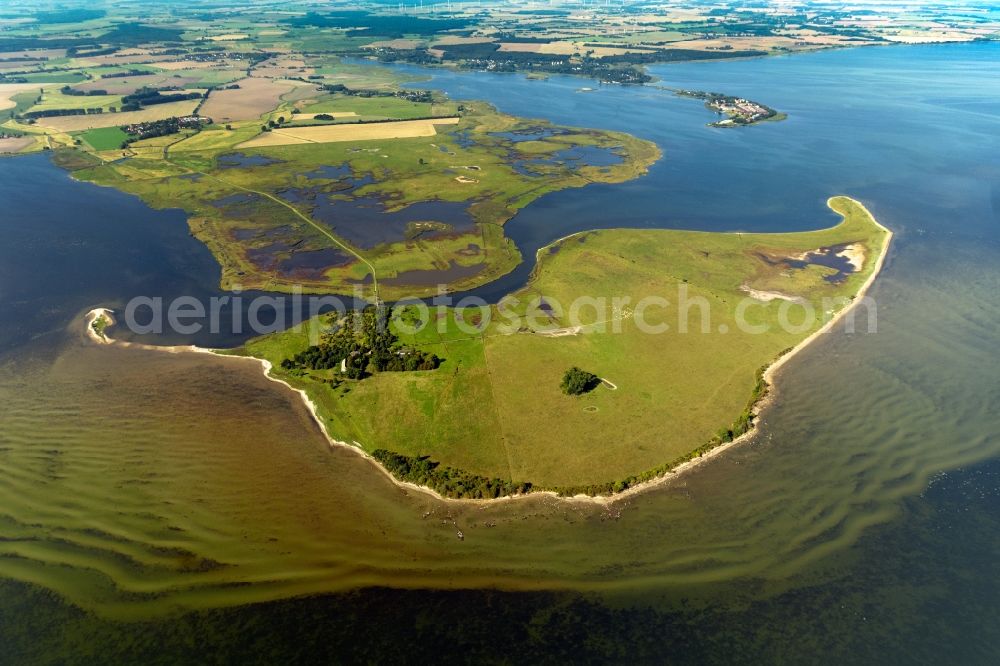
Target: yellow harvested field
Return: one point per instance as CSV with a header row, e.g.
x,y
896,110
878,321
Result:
x,y
400,129
8,90
91,121
229,37
15,144
253,98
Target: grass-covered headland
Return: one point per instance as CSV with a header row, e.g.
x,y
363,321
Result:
x,y
678,378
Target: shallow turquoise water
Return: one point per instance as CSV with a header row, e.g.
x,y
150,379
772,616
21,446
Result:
x,y
860,526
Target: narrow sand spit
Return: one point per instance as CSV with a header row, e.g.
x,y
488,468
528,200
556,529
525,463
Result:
x,y
769,376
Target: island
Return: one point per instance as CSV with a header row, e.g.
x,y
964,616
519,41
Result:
x,y
739,111
472,404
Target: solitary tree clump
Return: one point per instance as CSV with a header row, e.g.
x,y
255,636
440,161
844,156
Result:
x,y
577,381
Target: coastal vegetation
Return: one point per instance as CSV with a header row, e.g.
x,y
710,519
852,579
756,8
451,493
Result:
x,y
495,408
360,344
100,325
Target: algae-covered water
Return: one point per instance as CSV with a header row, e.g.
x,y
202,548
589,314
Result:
x,y
157,506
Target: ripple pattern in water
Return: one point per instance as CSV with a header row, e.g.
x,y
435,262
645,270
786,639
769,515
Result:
x,y
136,483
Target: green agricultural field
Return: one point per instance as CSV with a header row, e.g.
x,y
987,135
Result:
x,y
67,77
53,99
104,138
495,410
378,108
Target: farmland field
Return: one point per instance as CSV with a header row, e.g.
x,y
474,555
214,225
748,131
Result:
x,y
15,144
95,120
8,90
253,98
104,138
53,99
404,129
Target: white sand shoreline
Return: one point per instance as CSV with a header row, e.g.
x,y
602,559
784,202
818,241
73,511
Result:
x,y
769,374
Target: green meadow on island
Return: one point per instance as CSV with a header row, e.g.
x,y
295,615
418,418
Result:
x,y
491,418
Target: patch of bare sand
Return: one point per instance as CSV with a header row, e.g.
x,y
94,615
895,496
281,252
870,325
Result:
x,y
768,296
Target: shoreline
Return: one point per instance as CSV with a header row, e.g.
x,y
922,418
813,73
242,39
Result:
x,y
765,401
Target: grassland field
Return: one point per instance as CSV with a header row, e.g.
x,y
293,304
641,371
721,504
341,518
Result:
x,y
104,138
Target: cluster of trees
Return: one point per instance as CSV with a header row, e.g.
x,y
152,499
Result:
x,y
387,355
67,90
448,481
51,113
92,52
125,74
425,96
578,382
364,343
413,56
149,96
